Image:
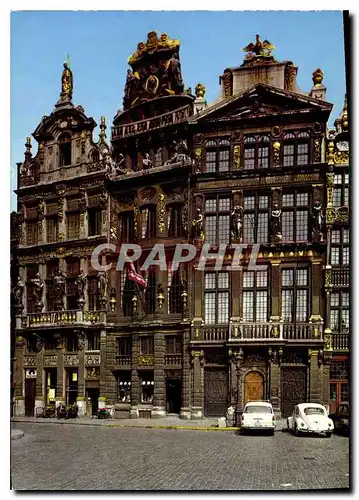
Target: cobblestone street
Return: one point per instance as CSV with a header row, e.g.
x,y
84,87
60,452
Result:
x,y
72,457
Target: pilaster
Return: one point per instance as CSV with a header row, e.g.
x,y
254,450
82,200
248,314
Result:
x,y
135,381
110,363
103,364
185,411
275,392
159,409
275,288
81,400
19,409
198,383
315,377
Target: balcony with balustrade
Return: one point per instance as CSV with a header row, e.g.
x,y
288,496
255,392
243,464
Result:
x,y
63,318
247,333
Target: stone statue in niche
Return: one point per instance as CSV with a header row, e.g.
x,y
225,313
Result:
x,y
102,283
38,291
197,225
237,224
317,221
18,292
276,225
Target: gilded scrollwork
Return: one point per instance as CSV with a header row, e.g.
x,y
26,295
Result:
x,y
317,151
341,157
161,213
330,153
145,360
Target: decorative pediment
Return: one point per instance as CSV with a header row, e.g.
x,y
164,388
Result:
x,y
261,100
67,118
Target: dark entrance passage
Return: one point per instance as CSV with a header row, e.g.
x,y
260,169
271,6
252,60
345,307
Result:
x,y
294,389
92,396
173,395
215,392
30,391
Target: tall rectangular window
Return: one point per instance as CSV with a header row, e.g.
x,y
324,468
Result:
x,y
52,229
127,222
124,346
255,218
256,152
32,232
339,252
341,190
217,156
72,271
255,296
73,225
93,341
217,220
174,217
94,221
52,268
148,222
295,295
339,311
216,298
150,292
31,271
93,295
173,344
174,292
146,344
295,210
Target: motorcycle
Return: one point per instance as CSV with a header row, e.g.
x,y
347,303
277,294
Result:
x,y
61,411
72,412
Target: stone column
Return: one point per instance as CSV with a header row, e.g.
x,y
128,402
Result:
x,y
19,393
275,291
314,377
110,364
159,409
198,383
81,400
102,399
61,375
232,380
238,357
40,397
185,411
325,375
274,381
135,381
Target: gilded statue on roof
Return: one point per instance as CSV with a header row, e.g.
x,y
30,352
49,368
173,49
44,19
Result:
x,y
152,45
66,84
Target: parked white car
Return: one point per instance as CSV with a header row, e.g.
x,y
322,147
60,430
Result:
x,y
311,418
258,415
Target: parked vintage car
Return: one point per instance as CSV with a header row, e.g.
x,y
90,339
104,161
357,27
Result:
x,y
341,418
258,415
310,418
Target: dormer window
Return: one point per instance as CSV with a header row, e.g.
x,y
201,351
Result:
x,y
256,152
65,150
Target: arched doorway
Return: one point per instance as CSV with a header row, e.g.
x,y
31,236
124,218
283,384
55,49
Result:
x,y
253,387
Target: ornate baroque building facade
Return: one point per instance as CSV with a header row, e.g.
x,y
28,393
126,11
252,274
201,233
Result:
x,y
258,168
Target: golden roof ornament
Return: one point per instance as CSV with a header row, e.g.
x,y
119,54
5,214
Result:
x,y
318,76
345,123
200,90
67,82
103,128
152,45
259,49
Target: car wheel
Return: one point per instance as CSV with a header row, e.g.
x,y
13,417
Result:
x,y
296,430
328,434
271,432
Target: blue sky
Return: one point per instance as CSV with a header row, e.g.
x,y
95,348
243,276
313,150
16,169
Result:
x,y
99,43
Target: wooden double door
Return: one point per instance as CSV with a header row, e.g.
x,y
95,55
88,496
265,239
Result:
x,y
294,388
216,392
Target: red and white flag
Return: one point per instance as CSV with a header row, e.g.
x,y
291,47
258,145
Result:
x,y
132,275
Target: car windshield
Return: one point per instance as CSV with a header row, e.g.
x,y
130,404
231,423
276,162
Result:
x,y
258,409
313,411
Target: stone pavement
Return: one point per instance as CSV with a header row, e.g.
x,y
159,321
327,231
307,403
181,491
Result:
x,y
16,434
170,422
85,457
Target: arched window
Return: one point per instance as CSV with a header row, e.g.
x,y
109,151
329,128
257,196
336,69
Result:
x,y
65,150
256,152
129,290
217,156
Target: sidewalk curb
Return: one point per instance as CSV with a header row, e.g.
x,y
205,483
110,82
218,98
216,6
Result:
x,y
133,426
